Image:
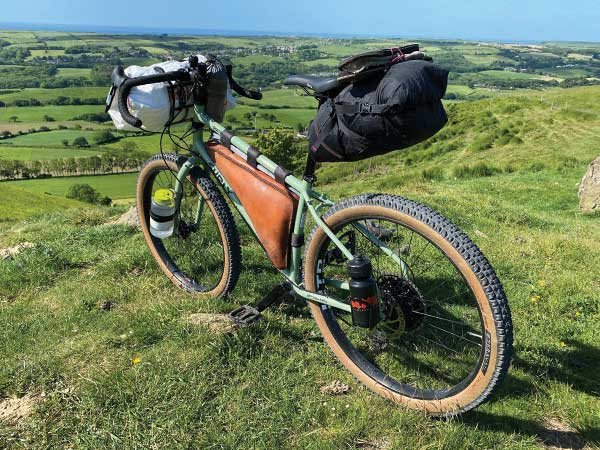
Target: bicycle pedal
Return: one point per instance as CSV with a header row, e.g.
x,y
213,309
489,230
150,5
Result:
x,y
244,315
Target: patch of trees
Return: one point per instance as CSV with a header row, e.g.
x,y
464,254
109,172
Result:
x,y
13,55
24,77
60,101
91,117
283,146
86,193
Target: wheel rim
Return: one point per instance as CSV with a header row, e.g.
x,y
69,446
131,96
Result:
x,y
433,359
195,254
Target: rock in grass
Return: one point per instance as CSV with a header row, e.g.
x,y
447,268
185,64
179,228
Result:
x,y
589,190
335,388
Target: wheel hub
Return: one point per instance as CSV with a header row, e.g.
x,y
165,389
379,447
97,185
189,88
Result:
x,y
184,229
402,304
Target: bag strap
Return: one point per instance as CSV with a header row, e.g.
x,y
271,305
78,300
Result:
x,y
322,135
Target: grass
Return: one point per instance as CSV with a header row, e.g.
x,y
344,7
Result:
x,y
20,204
67,72
40,153
506,75
262,384
115,186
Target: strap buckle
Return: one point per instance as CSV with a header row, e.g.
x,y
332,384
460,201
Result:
x,y
366,108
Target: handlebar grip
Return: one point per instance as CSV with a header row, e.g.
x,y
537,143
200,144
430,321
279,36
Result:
x,y
124,109
125,84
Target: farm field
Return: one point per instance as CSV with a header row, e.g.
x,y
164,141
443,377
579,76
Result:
x,y
47,138
40,153
117,186
27,114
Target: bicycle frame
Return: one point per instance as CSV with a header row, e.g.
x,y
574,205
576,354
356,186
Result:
x,y
307,200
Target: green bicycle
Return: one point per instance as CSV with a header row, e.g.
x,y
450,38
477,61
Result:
x,y
437,334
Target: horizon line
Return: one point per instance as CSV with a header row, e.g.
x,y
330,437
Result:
x,y
184,31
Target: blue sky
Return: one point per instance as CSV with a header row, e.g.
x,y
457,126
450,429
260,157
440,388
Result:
x,y
508,20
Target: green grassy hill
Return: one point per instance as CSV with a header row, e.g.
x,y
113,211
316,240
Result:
x,y
17,203
505,170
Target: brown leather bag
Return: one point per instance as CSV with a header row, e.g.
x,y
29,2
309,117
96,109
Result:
x,y
270,206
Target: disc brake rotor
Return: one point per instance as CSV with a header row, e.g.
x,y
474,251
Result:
x,y
402,304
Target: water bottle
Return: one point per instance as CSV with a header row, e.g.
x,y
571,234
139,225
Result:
x,y
162,213
364,303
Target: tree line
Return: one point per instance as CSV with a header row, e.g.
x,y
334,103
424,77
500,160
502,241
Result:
x,y
108,162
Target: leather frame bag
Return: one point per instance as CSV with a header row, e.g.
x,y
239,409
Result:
x,y
270,206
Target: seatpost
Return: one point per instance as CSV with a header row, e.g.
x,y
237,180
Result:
x,y
309,170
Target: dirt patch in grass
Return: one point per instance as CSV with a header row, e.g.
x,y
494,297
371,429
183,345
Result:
x,y
11,252
559,435
335,388
15,410
129,218
218,323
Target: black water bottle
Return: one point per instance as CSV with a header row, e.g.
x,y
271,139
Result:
x,y
363,293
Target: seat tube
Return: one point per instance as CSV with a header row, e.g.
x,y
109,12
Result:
x,y
296,265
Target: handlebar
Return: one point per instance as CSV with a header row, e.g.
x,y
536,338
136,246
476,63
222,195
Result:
x,y
125,84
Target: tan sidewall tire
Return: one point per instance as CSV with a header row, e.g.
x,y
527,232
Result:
x,y
437,407
146,171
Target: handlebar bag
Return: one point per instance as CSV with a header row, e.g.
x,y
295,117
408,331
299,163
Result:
x,y
379,114
270,206
160,104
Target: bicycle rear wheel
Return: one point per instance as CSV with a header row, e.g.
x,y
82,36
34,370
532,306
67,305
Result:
x,y
445,339
203,256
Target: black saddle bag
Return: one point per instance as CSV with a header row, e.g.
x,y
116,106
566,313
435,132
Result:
x,y
385,112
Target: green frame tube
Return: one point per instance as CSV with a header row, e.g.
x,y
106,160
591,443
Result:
x,y
307,199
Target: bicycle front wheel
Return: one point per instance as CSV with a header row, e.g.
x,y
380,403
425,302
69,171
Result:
x,y
203,255
445,337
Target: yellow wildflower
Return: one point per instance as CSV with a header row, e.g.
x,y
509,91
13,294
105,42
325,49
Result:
x,y
563,344
136,360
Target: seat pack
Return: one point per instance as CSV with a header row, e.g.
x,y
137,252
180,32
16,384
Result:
x,y
387,110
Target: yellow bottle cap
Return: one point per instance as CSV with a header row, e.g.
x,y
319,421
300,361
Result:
x,y
164,197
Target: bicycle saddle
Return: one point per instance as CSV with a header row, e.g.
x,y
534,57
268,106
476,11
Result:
x,y
318,84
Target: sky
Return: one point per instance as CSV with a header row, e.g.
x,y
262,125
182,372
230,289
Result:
x,y
508,20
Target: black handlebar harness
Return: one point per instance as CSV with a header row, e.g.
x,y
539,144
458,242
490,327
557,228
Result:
x,y
124,84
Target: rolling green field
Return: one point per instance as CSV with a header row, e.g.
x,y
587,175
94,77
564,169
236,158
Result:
x,y
68,72
37,113
45,95
23,204
47,138
116,186
41,153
